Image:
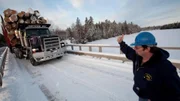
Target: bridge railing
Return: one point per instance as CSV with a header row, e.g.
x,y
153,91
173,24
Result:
x,y
100,54
2,65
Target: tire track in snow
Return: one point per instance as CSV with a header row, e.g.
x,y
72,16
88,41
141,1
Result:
x,y
111,95
99,66
116,63
86,64
43,88
47,93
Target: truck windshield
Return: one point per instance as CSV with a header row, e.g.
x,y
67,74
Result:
x,y
37,32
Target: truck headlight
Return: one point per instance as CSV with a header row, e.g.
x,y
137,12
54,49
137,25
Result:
x,y
34,50
62,45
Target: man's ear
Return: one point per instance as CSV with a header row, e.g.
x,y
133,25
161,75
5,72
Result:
x,y
148,49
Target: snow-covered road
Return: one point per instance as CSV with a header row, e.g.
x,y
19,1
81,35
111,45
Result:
x,y
72,78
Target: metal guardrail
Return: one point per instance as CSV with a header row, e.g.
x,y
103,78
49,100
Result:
x,y
2,65
111,56
100,46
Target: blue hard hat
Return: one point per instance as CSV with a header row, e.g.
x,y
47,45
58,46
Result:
x,y
144,38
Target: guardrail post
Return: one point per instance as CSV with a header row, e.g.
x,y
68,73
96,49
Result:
x,y
100,49
2,63
90,48
80,48
72,47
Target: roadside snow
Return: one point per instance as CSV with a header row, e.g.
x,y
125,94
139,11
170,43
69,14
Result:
x,y
72,78
75,78
18,85
164,38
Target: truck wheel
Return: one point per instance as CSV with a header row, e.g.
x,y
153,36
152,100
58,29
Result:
x,y
1,80
59,57
11,50
20,55
16,55
33,62
27,55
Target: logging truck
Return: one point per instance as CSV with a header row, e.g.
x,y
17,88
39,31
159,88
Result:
x,y
31,40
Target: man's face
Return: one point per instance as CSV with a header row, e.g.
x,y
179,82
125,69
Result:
x,y
140,50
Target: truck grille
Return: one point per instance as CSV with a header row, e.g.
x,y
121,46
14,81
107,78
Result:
x,y
51,43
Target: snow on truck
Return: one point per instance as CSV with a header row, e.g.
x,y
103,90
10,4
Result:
x,y
28,36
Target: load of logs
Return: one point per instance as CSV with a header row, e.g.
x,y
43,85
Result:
x,y
12,18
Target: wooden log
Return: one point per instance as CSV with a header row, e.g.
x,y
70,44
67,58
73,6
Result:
x,y
11,36
7,12
21,21
14,26
8,26
7,20
13,18
27,15
21,14
28,21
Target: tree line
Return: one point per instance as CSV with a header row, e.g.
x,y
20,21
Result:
x,y
91,31
165,26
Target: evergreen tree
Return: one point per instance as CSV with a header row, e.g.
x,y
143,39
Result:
x,y
106,29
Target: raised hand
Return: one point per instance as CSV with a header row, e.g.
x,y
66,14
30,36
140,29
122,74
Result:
x,y
120,38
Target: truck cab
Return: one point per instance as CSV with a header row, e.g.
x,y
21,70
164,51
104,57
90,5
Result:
x,y
28,36
34,42
38,44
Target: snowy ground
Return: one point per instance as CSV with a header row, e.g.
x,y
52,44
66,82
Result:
x,y
72,78
164,38
18,85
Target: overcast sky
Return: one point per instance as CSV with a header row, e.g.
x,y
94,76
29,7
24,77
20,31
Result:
x,y
64,12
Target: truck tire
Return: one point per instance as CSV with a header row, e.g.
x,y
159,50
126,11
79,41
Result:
x,y
59,57
33,62
20,55
27,55
16,55
11,50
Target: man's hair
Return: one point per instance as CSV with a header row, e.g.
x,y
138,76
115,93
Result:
x,y
153,48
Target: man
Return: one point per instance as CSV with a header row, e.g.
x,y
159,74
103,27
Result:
x,y
155,78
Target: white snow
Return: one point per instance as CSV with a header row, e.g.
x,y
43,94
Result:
x,y
72,78
18,85
164,38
